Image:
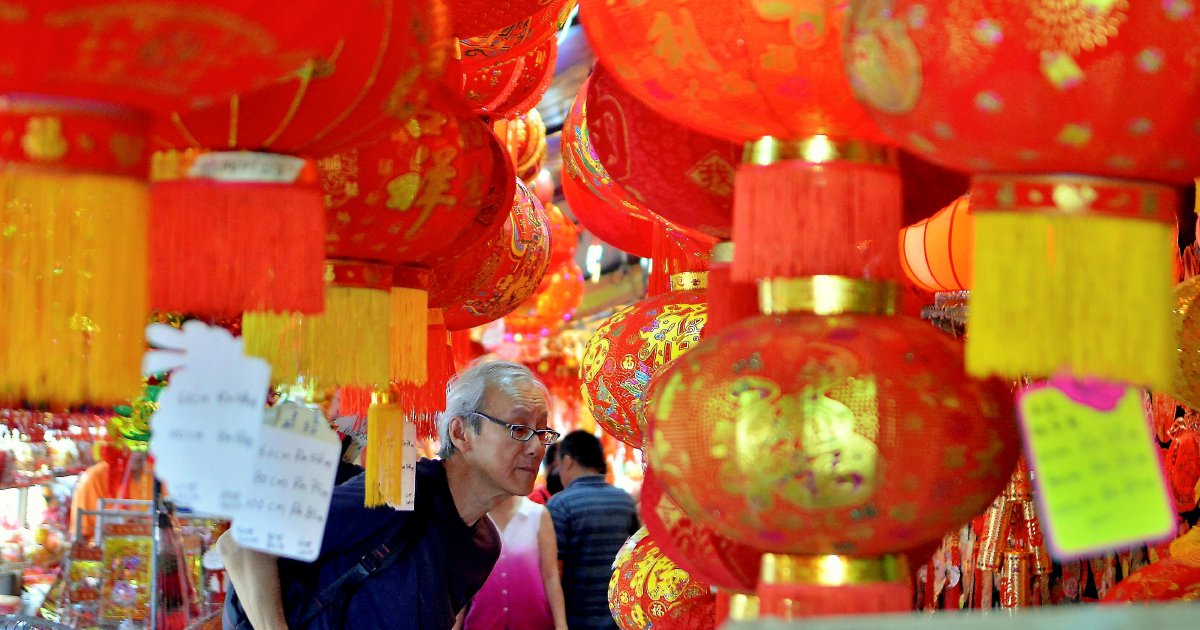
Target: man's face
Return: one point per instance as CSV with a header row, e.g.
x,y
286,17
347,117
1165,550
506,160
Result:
x,y
511,465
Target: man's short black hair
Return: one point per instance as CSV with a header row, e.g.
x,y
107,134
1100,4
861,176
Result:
x,y
585,449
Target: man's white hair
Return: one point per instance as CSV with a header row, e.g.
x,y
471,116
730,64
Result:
x,y
466,390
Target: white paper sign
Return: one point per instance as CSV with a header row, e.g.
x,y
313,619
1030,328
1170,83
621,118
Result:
x,y
291,484
408,467
246,166
204,433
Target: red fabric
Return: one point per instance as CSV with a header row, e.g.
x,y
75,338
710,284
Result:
x,y
518,38
626,351
648,590
1114,95
681,175
564,236
480,17
715,559
512,87
387,66
73,135
728,301
412,194
856,435
593,197
737,69
800,601
168,54
486,282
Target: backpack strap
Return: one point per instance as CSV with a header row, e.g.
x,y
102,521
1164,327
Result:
x,y
379,558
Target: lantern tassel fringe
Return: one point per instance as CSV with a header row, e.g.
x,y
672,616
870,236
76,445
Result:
x,y
408,333
422,404
385,456
1091,295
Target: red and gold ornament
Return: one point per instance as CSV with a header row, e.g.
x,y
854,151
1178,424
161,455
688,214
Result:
x,y
552,306
647,590
512,87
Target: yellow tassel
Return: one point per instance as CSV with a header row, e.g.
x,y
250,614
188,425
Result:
x,y
1090,295
72,287
385,455
409,340
347,345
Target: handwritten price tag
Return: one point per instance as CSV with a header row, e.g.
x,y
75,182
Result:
x,y
1098,480
408,476
287,500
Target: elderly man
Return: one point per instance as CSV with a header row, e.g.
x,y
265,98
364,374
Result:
x,y
385,568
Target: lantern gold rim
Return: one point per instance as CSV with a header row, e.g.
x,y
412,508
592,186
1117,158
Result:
x,y
743,607
818,149
689,281
826,295
832,570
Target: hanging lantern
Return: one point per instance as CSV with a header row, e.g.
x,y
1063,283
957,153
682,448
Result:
x,y
677,250
481,17
484,283
1074,256
719,561
525,137
1175,578
807,434
818,190
599,204
564,236
552,306
630,346
512,87
242,231
681,175
648,590
1186,379
936,252
513,40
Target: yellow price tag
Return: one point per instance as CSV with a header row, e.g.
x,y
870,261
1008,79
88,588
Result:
x,y
1096,473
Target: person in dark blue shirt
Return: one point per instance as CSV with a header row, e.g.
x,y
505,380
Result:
x,y
592,519
493,435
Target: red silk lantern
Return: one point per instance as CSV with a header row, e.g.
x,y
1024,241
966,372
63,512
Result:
x,y
936,252
166,56
514,86
628,348
648,590
525,137
514,40
552,306
719,561
1175,578
599,204
681,175
481,17
1112,95
488,281
818,191
564,236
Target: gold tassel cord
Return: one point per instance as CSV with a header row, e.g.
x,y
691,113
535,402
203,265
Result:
x,y
73,301
1090,295
385,455
347,345
409,340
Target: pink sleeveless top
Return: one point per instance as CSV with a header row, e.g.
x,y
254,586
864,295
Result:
x,y
514,597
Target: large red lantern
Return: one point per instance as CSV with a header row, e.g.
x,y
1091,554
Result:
x,y
647,590
488,281
1175,578
593,197
681,175
818,190
481,17
1072,117
719,561
629,347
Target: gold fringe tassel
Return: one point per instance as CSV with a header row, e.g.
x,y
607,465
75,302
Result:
x,y
1089,295
73,302
385,455
347,345
409,341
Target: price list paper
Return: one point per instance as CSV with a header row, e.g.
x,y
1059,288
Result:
x,y
291,484
1097,477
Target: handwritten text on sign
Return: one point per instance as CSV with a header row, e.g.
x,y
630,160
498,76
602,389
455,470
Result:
x,y
210,412
1097,477
291,484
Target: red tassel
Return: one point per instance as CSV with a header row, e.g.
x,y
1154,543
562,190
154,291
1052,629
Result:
x,y
422,403
728,302
797,218
464,350
224,248
354,401
798,601
676,250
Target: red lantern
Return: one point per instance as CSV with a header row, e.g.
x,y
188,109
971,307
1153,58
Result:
x,y
514,86
481,17
628,348
818,192
681,175
648,590
490,280
564,236
552,306
1105,90
1176,578
936,252
515,39
599,204
525,137
719,561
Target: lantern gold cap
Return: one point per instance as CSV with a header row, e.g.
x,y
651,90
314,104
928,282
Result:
x,y
826,295
689,281
818,149
832,570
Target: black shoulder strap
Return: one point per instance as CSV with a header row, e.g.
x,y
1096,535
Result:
x,y
379,558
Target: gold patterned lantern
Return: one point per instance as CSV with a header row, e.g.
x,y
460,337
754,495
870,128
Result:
x,y
647,590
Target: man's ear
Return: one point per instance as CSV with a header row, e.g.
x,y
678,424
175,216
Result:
x,y
459,434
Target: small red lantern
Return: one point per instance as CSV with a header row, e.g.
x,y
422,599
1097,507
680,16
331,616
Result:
x,y
552,306
525,137
936,252
515,39
564,236
598,202
681,175
647,590
1175,578
512,87
629,347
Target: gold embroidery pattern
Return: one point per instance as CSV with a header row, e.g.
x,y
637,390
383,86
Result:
x,y
43,140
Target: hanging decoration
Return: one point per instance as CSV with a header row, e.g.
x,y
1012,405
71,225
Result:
x,y
525,137
936,252
1175,578
512,87
552,306
648,590
518,38
472,18
1074,256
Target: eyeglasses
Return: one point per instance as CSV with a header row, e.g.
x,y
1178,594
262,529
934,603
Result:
x,y
522,433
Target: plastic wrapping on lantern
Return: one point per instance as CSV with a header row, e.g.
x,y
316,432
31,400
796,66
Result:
x,y
648,590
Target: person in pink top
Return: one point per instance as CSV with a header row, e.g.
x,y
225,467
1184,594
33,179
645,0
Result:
x,y
524,591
